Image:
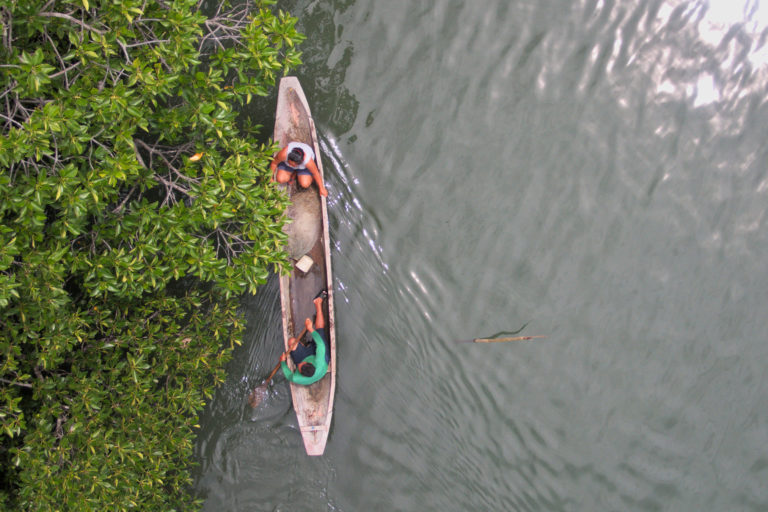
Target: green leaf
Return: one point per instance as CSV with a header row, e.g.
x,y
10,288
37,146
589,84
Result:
x,y
110,253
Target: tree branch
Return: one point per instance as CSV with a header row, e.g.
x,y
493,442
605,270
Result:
x,y
20,384
72,19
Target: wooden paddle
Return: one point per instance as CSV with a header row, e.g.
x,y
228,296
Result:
x,y
257,395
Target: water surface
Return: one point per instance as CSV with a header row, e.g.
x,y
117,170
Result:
x,y
595,171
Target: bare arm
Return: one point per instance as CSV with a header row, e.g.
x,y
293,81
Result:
x,y
311,167
292,344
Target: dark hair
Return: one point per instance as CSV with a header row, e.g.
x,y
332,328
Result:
x,y
307,369
296,155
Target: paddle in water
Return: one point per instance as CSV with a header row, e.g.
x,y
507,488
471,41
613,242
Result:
x,y
259,394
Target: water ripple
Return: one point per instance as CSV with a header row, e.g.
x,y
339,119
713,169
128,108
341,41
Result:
x,y
595,170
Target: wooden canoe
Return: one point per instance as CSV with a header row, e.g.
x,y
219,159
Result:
x,y
313,404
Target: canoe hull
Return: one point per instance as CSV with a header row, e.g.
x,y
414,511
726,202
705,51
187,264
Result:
x,y
313,404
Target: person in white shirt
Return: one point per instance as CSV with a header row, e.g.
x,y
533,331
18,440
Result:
x,y
297,159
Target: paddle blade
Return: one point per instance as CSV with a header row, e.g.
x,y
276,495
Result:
x,y
258,395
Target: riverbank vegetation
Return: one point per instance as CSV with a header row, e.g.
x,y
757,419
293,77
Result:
x,y
136,208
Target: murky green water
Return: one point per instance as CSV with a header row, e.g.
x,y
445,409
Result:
x,y
596,170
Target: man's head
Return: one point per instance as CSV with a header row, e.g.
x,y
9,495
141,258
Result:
x,y
306,369
296,156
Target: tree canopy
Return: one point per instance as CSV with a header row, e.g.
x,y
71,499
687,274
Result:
x,y
136,208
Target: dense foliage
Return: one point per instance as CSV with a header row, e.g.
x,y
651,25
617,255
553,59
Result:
x,y
136,207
